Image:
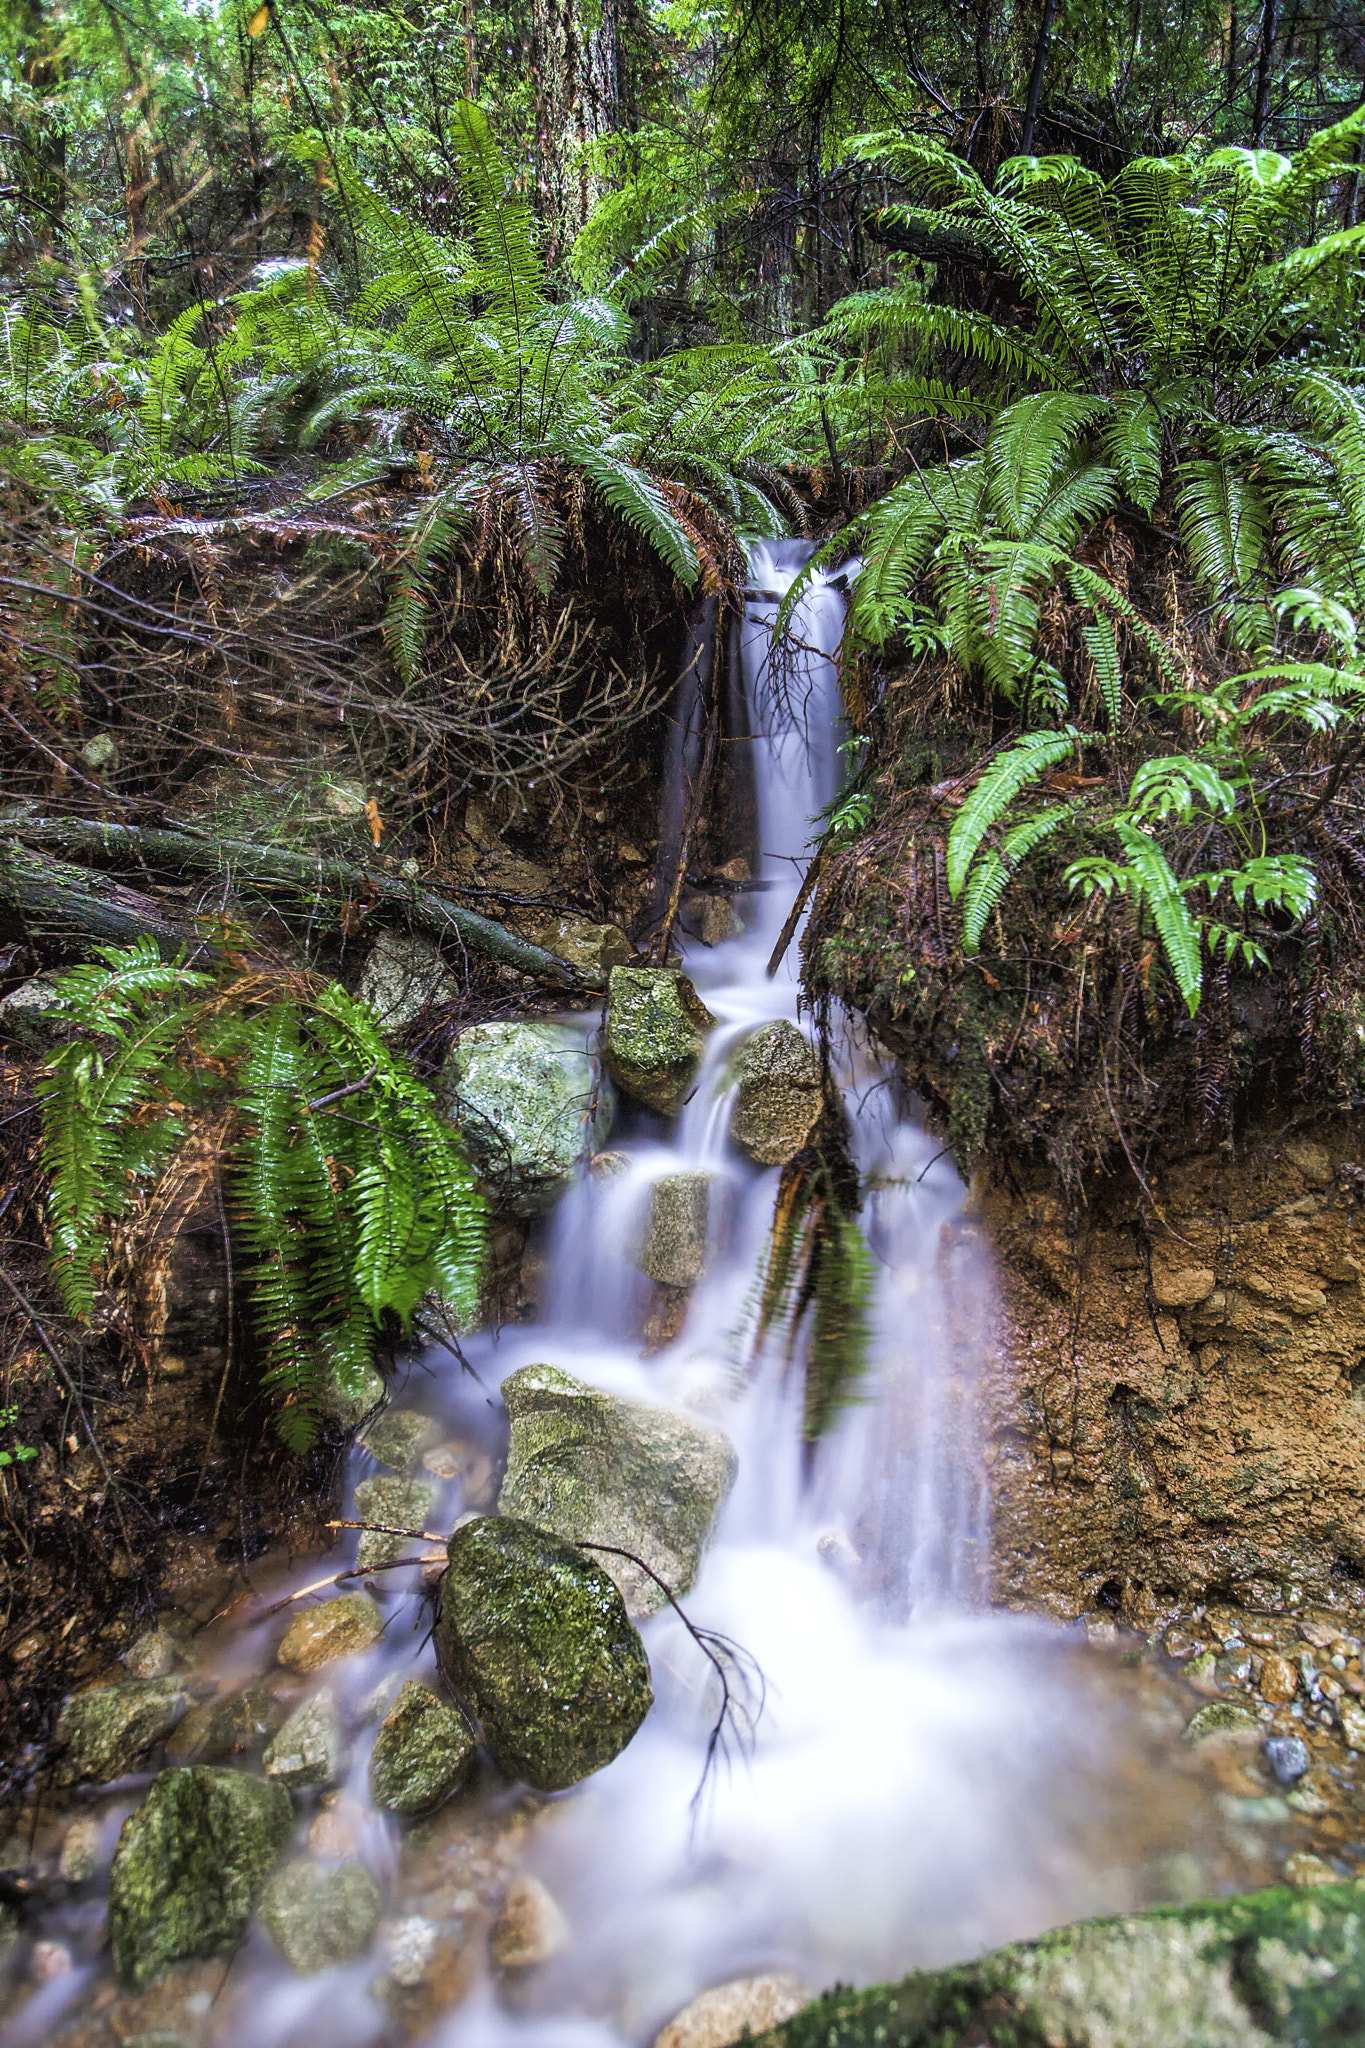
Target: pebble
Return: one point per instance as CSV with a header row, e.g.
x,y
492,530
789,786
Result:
x,y
1204,1675
1352,1717
1279,1681
1305,1870
1287,1756
338,1628
307,1751
1220,1717
337,1834
530,1928
80,1857
49,1959
153,1655
726,2013
410,1944
1307,1799
1179,1645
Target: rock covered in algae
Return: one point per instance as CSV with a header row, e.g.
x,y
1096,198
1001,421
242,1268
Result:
x,y
1276,1966
655,1036
237,1724
398,1437
594,1468
422,1753
338,1628
307,1751
531,1102
537,1638
395,1504
320,1915
105,1732
189,1867
778,1094
673,1249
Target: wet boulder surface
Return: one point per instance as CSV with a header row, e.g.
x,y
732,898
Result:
x,y
1276,1966
778,1094
535,1637
530,1101
655,1036
190,1866
104,1732
422,1753
319,1915
594,1468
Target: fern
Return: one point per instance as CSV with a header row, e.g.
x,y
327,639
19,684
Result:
x,y
992,873
999,784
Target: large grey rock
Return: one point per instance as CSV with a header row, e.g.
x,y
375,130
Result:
x,y
537,1639
105,1732
1278,1966
402,975
422,1753
189,1867
594,1468
397,1504
531,1103
307,1751
778,1096
319,1915
673,1248
29,1014
655,1036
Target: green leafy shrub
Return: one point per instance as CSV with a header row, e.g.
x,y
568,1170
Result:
x,y
350,1197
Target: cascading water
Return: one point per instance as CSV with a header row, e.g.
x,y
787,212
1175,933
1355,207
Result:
x,y
917,1784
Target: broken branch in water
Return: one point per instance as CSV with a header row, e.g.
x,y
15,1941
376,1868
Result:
x,y
356,1572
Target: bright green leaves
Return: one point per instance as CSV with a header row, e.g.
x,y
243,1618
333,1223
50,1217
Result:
x,y
996,788
350,1197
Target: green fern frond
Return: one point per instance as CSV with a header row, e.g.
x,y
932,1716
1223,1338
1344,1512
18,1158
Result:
x,y
993,872
1026,762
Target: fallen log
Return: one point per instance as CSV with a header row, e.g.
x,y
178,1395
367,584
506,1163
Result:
x,y
63,909
48,890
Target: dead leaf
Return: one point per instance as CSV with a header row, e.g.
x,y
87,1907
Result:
x,y
376,823
260,21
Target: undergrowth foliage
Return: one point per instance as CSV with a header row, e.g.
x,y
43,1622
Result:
x,y
350,1197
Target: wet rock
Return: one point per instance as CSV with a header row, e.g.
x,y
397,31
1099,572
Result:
x,y
712,918
778,1096
410,1944
422,1753
348,1402
338,1830
105,1732
318,1917
597,948
1307,1871
398,1504
726,2013
338,1628
153,1655
189,1867
1220,1717
239,1724
401,977
398,1438
655,1035
49,1960
80,1857
538,1640
1352,1716
1202,1673
530,1929
1239,1973
594,1468
29,1016
531,1103
1287,1757
673,1249
307,1751
1279,1680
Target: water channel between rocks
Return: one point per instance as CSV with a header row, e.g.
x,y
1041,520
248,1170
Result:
x,y
913,1779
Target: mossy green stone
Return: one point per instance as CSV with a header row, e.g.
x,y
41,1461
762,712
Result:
x,y
189,1867
595,1468
531,1101
394,1504
1276,1966
103,1733
398,1437
537,1638
1221,1717
422,1753
319,1917
778,1093
655,1035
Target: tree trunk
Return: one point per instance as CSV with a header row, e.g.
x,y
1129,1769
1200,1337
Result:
x,y
574,76
1035,84
1269,22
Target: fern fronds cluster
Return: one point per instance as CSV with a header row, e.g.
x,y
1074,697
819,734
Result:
x,y
351,1197
815,1291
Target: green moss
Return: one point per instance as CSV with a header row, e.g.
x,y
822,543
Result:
x,y
422,1753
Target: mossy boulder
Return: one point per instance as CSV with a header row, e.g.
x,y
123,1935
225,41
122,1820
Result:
x,y
422,1753
655,1036
189,1867
677,1224
319,1915
537,1639
307,1752
531,1102
394,1504
1273,1966
335,1628
594,1468
104,1733
398,1437
778,1094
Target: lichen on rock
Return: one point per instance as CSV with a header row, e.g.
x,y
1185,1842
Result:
x,y
655,1035
677,1227
104,1732
531,1102
778,1094
319,1916
422,1753
537,1639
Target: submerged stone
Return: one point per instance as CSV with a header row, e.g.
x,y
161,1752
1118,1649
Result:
x,y
530,1929
1220,1717
307,1751
397,1504
189,1867
338,1628
778,1094
537,1638
105,1732
673,1249
319,1916
531,1103
422,1753
1276,1966
240,1724
398,1437
655,1036
594,1468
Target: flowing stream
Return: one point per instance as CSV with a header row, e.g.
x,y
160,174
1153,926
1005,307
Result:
x,y
913,1778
